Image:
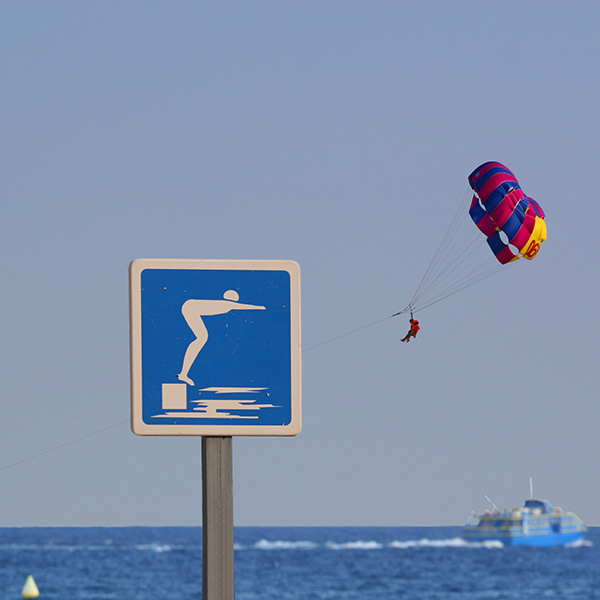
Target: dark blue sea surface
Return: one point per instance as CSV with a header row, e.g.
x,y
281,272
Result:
x,y
293,563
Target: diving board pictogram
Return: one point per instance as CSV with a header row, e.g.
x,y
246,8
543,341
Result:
x,y
215,347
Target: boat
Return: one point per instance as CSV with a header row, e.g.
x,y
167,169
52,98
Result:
x,y
536,523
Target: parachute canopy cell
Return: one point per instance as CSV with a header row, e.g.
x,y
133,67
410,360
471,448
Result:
x,y
513,223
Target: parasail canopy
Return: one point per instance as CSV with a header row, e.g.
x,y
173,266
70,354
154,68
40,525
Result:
x,y
512,222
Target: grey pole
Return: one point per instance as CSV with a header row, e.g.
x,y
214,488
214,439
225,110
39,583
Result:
x,y
217,518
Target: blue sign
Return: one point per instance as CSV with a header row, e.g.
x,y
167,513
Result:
x,y
215,347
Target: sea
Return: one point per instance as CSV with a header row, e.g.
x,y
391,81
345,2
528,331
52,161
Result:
x,y
293,563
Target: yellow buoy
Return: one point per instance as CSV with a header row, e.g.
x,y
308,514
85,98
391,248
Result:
x,y
30,590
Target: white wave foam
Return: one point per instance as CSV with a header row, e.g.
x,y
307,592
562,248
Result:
x,y
456,542
284,545
155,547
579,544
358,545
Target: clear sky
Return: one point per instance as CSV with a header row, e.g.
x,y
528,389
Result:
x,y
339,135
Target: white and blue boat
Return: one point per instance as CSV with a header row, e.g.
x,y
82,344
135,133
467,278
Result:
x,y
537,523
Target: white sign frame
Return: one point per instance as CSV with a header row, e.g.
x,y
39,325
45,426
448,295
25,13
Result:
x,y
259,302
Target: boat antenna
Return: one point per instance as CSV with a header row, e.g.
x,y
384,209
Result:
x,y
491,503
531,487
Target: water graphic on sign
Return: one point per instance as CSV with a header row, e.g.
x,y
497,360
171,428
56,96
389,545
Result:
x,y
241,402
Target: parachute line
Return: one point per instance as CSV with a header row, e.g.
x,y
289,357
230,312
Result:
x,y
460,261
342,335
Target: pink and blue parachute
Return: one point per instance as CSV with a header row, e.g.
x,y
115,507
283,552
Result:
x,y
513,223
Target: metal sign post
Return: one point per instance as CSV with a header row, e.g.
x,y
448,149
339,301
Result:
x,y
217,519
215,352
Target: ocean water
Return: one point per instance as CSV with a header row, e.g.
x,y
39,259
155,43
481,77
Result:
x,y
293,563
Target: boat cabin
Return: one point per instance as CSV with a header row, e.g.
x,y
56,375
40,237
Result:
x,y
539,506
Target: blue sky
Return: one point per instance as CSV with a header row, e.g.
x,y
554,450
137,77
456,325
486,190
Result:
x,y
339,135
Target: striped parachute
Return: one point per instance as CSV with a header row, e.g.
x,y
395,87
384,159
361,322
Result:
x,y
513,223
